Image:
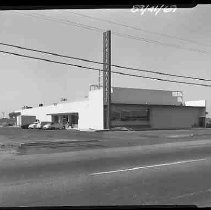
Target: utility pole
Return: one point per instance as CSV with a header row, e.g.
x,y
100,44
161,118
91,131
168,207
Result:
x,y
107,78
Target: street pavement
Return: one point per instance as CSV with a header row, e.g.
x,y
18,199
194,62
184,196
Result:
x,y
167,173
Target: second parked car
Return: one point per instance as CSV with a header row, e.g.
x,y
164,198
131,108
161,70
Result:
x,y
41,124
53,126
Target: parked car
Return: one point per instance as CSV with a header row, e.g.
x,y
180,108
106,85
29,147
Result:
x,y
53,126
33,125
41,124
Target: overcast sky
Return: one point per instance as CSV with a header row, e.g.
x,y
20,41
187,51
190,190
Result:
x,y
31,82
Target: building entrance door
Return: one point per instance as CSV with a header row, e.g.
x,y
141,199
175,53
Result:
x,y
202,122
65,119
73,120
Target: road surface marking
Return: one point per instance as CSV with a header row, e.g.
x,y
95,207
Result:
x,y
145,167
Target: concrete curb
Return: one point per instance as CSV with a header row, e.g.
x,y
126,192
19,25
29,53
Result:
x,y
133,130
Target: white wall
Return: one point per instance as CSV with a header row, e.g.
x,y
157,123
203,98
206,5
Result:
x,y
196,103
18,118
42,113
39,112
90,111
96,109
80,107
143,96
175,117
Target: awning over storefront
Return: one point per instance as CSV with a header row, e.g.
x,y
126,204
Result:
x,y
64,113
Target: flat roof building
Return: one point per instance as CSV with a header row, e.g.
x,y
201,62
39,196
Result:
x,y
130,107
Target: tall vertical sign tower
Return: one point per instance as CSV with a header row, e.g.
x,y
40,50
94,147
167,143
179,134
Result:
x,y
107,78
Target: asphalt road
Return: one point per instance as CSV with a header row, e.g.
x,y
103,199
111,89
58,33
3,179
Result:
x,y
170,173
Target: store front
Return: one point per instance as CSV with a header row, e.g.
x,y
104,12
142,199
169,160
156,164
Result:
x,y
133,116
70,120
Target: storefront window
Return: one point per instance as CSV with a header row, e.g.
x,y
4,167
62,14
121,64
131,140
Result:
x,y
139,115
74,119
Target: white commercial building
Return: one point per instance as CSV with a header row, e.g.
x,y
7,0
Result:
x,y
133,108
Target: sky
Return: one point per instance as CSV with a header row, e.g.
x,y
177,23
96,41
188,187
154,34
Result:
x,y
30,82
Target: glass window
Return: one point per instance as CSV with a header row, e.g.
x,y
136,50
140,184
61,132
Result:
x,y
141,115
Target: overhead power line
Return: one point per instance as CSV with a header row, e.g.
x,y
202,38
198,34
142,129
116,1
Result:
x,y
123,35
64,21
97,69
97,62
161,73
137,28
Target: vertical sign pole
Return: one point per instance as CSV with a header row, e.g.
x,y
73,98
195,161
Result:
x,y
107,78
99,80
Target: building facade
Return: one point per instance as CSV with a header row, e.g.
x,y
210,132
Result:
x,y
132,108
